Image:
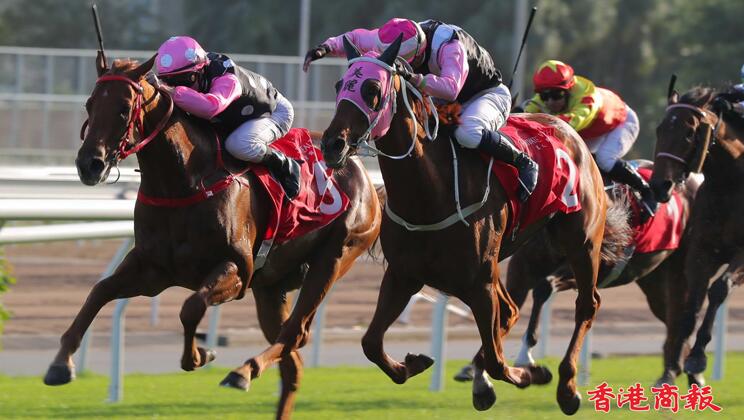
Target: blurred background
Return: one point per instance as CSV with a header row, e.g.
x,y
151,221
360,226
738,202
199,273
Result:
x,y
47,50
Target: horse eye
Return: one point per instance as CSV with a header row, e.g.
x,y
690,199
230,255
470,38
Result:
x,y
371,94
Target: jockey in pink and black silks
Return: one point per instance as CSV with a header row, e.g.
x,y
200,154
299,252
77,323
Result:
x,y
448,64
236,100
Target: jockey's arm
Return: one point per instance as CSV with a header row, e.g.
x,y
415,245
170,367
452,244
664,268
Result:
x,y
364,39
535,105
581,115
454,70
224,90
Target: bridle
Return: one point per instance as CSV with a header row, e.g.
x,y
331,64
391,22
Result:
x,y
127,144
694,159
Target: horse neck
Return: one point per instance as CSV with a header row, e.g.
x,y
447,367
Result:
x,y
174,162
725,161
424,181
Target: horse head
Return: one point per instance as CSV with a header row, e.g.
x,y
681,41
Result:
x,y
682,139
115,111
366,102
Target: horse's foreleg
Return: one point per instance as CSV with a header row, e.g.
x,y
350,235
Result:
x,y
223,284
395,293
131,278
719,290
484,302
582,251
540,294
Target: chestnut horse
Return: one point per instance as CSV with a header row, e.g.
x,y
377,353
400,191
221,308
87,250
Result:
x,y
460,254
659,274
691,138
211,245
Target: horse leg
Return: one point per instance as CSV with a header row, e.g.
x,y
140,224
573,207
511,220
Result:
x,y
582,251
700,265
131,278
395,293
540,294
696,361
223,284
295,332
484,302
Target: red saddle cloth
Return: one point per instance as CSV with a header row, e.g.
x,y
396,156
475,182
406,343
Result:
x,y
661,232
558,183
320,200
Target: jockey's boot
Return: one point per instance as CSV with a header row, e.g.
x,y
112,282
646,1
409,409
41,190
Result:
x,y
499,146
625,173
285,170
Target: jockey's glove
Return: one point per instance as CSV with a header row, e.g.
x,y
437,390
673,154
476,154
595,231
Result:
x,y
315,54
152,79
406,73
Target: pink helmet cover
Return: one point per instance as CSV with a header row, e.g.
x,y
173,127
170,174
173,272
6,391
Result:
x,y
180,54
359,72
414,39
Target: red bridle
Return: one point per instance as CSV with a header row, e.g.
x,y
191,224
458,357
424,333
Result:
x,y
127,146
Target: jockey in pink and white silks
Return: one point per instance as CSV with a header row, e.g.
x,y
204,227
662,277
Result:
x,y
448,64
236,100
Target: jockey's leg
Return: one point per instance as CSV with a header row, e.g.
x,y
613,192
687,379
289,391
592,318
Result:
x,y
250,142
612,148
481,118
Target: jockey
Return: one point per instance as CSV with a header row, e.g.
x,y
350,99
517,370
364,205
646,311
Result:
x,y
448,64
606,123
243,103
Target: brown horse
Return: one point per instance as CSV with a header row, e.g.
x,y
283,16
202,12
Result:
x,y
460,259
691,138
210,246
538,266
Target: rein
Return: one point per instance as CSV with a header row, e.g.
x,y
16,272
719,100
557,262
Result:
x,y
369,150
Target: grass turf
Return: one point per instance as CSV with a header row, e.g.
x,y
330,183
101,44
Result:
x,y
343,393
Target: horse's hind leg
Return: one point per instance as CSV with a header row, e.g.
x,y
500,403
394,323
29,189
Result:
x,y
131,278
222,285
582,251
394,296
719,290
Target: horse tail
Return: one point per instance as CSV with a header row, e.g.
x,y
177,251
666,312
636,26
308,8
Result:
x,y
375,251
617,234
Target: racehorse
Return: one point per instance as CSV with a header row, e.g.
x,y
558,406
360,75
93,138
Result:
x,y
658,273
693,138
460,254
204,234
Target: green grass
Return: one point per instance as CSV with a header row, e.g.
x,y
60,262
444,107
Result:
x,y
340,393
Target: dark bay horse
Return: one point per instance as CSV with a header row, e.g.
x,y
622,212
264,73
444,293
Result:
x,y
209,246
659,274
691,138
457,258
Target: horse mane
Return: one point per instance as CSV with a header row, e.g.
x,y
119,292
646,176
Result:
x,y
699,96
123,65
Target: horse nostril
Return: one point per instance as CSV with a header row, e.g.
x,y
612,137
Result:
x,y
96,166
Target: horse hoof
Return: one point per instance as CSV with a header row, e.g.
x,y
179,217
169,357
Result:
x,y
237,381
571,405
541,375
695,365
665,379
417,363
485,399
465,374
698,380
59,375
206,355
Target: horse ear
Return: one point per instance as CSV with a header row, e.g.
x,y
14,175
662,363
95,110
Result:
x,y
389,55
673,98
101,64
143,68
351,50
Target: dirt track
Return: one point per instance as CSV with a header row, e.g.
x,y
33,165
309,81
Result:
x,y
54,279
